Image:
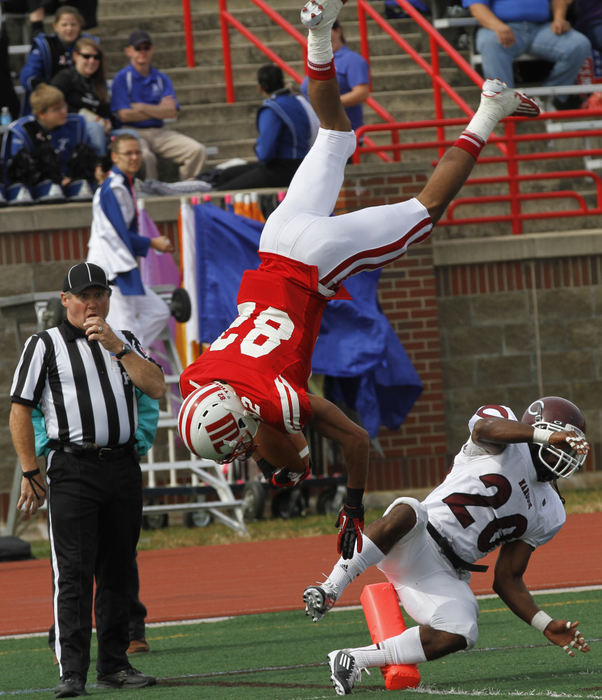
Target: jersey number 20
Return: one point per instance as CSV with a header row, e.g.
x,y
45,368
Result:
x,y
509,527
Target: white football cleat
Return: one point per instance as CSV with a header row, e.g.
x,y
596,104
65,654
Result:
x,y
320,13
344,672
507,101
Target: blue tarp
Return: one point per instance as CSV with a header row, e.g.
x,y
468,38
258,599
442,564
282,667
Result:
x,y
366,366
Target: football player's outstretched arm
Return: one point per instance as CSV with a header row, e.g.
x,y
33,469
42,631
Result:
x,y
331,422
509,585
495,433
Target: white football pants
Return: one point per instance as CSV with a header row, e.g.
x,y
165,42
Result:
x,y
428,586
303,229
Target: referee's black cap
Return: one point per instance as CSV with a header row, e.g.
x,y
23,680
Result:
x,y
84,275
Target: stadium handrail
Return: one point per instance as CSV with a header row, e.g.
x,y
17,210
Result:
x,y
227,19
507,145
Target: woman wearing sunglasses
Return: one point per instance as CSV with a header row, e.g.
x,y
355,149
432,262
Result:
x,y
85,90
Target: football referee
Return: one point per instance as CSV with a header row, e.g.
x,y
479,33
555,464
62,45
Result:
x,y
83,375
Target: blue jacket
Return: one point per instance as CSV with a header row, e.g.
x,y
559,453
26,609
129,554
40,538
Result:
x,y
283,126
115,243
25,133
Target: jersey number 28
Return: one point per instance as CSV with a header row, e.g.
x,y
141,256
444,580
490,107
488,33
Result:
x,y
270,327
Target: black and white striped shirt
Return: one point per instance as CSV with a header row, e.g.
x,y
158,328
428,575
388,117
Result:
x,y
84,392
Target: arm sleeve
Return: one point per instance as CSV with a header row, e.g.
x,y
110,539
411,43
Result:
x,y
168,89
359,72
140,244
30,375
33,71
119,93
268,125
16,142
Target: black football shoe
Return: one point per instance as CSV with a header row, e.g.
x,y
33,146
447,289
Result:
x,y
71,685
126,678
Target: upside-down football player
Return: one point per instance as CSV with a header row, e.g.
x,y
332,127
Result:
x,y
248,391
498,492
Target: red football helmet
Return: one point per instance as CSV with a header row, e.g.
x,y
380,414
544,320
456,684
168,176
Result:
x,y
555,413
215,425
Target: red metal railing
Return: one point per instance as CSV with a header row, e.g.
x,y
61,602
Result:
x,y
188,33
507,145
511,160
228,20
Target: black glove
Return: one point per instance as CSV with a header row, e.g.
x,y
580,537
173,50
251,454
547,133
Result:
x,y
351,527
266,468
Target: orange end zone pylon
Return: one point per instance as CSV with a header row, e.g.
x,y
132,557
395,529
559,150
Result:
x,y
383,615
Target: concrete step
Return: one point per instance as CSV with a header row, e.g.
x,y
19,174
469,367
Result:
x,y
387,89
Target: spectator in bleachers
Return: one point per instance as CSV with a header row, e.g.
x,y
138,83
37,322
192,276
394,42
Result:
x,y
143,97
353,76
85,90
540,28
51,53
588,20
287,126
38,9
48,153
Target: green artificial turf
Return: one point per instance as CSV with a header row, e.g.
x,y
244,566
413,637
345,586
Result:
x,y
282,656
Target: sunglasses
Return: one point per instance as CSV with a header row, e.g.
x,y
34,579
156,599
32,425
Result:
x,y
89,56
143,47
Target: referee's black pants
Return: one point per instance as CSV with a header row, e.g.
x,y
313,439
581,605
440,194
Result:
x,y
95,511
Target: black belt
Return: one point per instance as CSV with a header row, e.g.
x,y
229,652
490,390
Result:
x,y
447,549
90,449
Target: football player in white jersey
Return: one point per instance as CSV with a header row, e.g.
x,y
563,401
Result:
x,y
499,493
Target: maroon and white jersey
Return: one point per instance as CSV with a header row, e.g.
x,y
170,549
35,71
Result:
x,y
265,354
487,499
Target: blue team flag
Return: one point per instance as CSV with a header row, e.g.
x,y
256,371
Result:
x,y
366,366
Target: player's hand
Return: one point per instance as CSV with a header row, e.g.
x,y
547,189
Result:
x,y
351,527
569,437
566,635
286,479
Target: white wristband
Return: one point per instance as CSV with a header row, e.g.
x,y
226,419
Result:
x,y
541,620
304,452
542,436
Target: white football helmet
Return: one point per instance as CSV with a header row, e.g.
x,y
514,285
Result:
x,y
215,425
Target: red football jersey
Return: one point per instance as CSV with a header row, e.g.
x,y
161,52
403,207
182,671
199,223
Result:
x,y
265,354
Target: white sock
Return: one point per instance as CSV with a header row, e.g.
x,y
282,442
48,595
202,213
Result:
x,y
319,46
345,570
405,648
483,122
370,657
